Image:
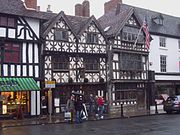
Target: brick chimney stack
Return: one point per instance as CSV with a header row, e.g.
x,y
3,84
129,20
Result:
x,y
86,10
31,4
110,5
78,10
83,9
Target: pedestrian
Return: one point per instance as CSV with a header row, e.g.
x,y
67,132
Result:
x,y
91,104
100,107
70,107
96,105
79,108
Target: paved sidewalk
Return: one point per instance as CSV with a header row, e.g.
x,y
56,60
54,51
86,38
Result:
x,y
60,119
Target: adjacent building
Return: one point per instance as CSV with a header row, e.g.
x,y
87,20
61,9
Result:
x,y
20,59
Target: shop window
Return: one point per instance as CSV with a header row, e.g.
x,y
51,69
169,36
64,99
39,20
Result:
x,y
12,100
11,53
91,63
60,62
61,34
7,21
92,38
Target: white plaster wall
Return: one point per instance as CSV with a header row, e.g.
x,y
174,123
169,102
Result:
x,y
11,33
171,51
33,104
2,32
34,24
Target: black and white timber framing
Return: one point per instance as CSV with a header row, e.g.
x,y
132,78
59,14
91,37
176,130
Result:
x,y
84,61
25,35
128,62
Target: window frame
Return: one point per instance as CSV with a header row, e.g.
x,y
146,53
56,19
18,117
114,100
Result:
x,y
13,53
163,63
60,62
179,44
91,64
63,35
92,38
7,21
162,42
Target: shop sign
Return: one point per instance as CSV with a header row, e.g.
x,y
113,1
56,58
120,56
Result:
x,y
7,83
50,84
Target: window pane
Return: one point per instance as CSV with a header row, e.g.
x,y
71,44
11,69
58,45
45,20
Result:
x,y
11,22
7,57
3,21
12,52
61,35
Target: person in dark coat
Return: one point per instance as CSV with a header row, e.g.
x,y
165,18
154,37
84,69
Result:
x,y
78,108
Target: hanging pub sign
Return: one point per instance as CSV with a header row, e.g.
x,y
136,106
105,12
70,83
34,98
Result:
x,y
50,84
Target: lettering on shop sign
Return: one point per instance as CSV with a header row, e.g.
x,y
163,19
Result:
x,y
9,83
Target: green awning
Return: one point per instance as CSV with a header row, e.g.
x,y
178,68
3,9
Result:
x,y
18,84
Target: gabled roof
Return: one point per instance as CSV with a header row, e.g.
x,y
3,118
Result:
x,y
116,20
81,23
77,24
16,7
48,25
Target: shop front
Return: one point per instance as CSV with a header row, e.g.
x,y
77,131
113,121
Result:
x,y
16,96
62,92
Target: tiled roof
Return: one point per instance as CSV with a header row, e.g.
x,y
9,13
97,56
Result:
x,y
171,24
113,21
77,22
16,7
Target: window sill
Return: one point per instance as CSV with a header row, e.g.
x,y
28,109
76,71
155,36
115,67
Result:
x,y
163,48
60,70
92,71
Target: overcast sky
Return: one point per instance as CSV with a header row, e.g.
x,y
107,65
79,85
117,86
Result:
x,y
170,7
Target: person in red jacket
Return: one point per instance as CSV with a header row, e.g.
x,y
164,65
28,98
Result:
x,y
100,103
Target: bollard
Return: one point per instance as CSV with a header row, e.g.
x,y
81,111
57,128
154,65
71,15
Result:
x,y
122,115
156,110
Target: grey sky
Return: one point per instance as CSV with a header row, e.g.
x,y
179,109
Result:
x,y
170,7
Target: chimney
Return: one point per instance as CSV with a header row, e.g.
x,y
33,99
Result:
x,y
38,8
110,5
83,9
49,9
31,4
86,10
78,10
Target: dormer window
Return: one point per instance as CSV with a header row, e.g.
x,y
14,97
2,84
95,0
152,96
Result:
x,y
92,38
60,34
158,19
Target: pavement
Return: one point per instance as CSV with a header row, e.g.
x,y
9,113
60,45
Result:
x,y
55,119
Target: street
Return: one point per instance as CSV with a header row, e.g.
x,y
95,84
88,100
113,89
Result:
x,y
146,125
